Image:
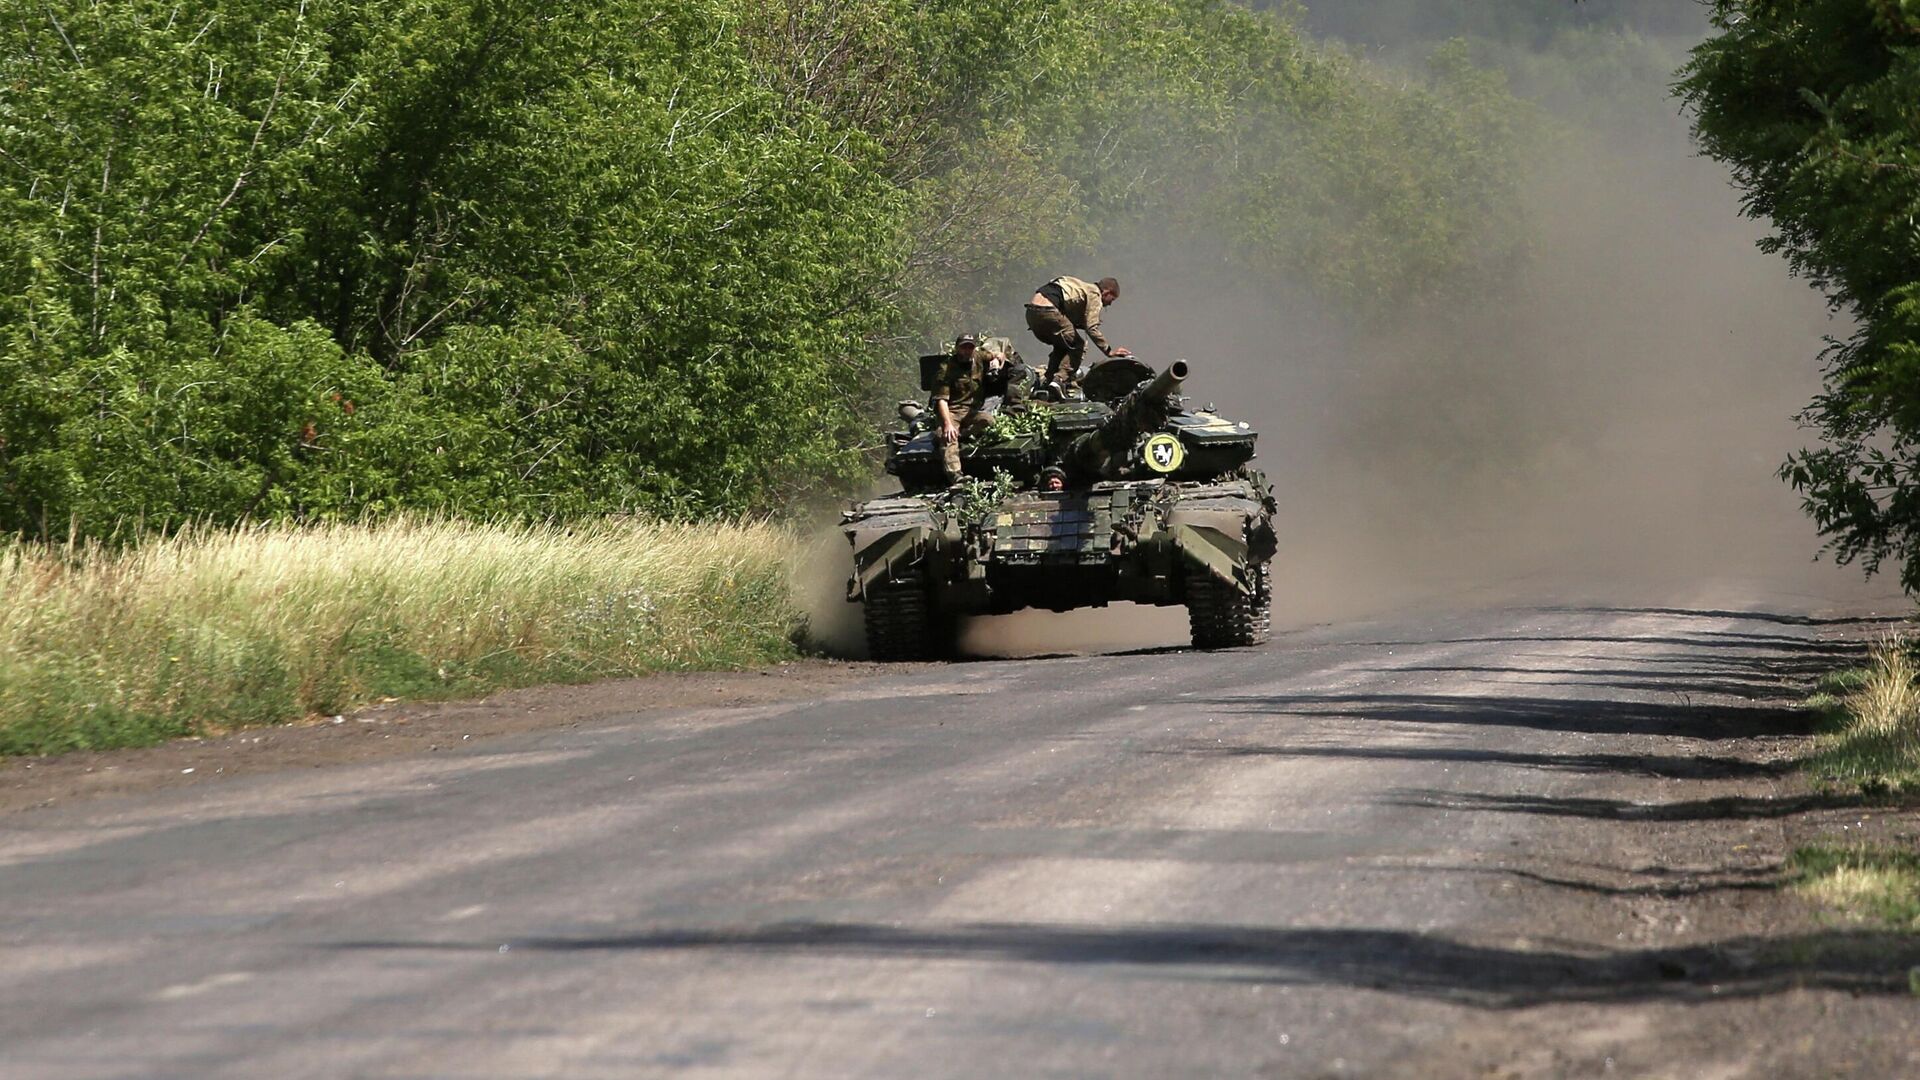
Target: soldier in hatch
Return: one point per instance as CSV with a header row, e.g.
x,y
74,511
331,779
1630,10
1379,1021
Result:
x,y
977,370
1059,313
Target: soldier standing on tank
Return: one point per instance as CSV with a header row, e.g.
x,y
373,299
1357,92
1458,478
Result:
x,y
1059,313
960,393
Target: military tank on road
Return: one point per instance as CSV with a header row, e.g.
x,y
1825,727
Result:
x,y
1161,506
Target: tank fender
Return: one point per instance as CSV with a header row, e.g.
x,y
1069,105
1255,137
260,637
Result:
x,y
1222,535
885,543
1223,555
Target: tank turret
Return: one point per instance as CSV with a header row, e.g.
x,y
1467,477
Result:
x,y
1108,452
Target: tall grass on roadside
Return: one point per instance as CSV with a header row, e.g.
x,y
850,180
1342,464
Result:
x,y
209,629
1873,741
1864,882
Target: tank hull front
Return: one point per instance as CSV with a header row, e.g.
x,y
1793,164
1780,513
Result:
x,y
1140,542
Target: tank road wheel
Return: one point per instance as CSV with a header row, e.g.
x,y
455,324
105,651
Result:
x,y
900,621
1222,616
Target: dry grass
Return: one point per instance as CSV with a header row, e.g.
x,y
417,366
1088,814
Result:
x,y
1886,703
1862,882
1874,720
211,630
1872,743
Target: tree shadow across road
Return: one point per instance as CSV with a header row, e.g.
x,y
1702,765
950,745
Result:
x,y
1751,681
1724,808
1688,719
1683,666
1650,882
1703,639
1396,961
1778,618
1652,766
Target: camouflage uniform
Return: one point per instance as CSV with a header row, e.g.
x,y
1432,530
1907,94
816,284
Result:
x,y
965,383
969,385
1076,309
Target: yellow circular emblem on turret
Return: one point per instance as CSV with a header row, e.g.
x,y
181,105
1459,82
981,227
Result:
x,y
1164,453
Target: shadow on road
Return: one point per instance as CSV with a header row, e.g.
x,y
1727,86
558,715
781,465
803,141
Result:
x,y
1653,766
1704,639
1751,682
1694,720
1725,663
1404,962
1668,883
1726,808
1738,616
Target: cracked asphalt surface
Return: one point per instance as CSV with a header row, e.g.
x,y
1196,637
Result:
x,y
1513,843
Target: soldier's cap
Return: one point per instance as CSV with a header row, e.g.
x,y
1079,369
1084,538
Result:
x,y
966,339
1054,470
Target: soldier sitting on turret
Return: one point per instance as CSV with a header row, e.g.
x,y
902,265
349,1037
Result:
x,y
979,369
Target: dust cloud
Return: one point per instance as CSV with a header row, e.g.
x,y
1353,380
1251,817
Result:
x,y
833,624
1606,432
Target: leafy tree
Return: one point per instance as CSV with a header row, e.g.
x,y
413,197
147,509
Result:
x,y
510,257
1811,103
220,228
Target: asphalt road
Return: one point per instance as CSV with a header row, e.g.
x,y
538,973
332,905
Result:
x,y
1509,843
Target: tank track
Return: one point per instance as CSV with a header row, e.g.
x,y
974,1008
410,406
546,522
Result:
x,y
1223,617
900,621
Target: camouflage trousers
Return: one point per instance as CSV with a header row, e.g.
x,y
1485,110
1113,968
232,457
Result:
x,y
970,423
1068,347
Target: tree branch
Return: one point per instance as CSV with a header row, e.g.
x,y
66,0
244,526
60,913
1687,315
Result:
x,y
253,148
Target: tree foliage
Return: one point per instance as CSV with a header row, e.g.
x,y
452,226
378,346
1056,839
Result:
x,y
1136,121
317,259
1811,102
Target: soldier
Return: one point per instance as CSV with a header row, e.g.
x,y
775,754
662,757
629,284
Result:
x,y
1053,478
969,376
1008,376
1059,312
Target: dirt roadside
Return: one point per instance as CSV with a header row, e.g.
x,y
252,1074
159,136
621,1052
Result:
x,y
1679,948
401,728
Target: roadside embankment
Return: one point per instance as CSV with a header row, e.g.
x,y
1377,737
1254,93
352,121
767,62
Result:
x,y
210,630
1870,746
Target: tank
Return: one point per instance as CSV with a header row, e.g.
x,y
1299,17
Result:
x,y
1162,506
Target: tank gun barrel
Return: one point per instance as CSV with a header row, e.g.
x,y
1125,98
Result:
x,y
1167,383
1103,451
